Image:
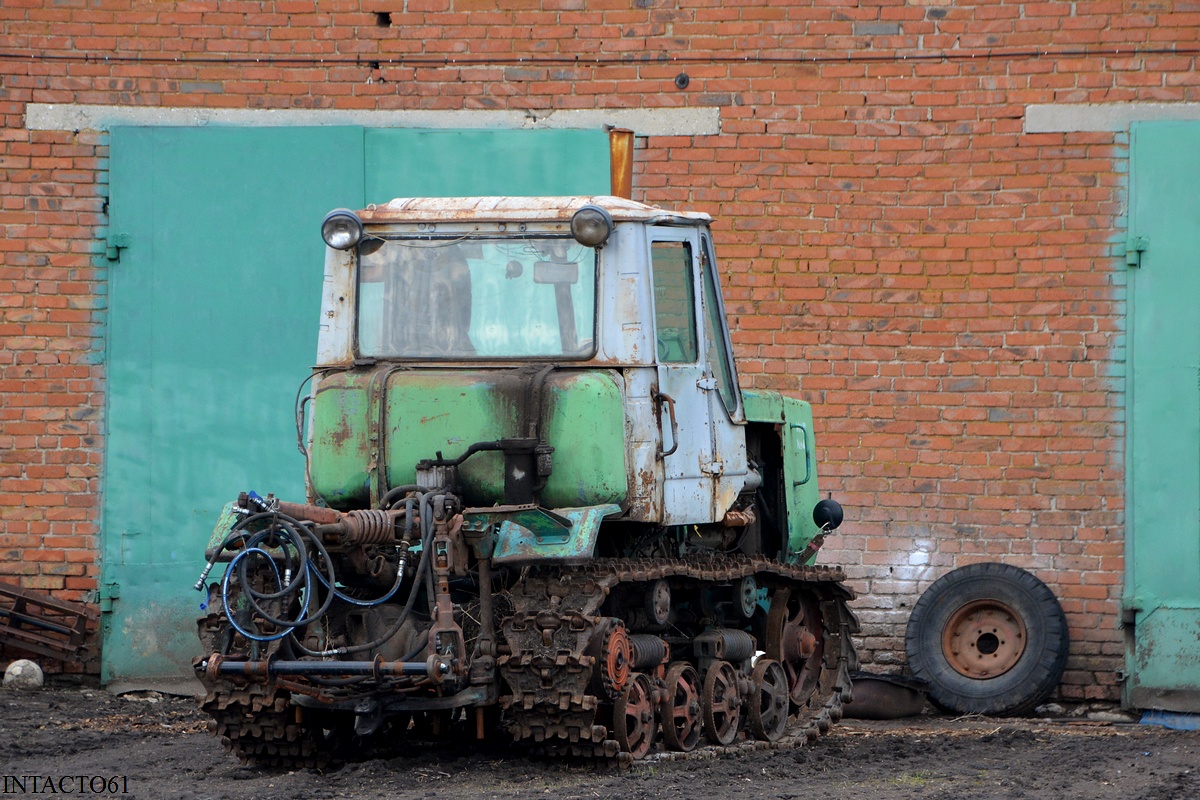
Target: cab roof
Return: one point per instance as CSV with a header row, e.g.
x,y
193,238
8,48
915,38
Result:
x,y
520,209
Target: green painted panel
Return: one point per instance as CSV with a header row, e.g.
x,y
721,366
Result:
x,y
431,411
1163,446
799,460
762,406
339,454
586,426
211,329
800,478
408,163
448,411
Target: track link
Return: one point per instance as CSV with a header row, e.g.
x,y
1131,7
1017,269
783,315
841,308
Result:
x,y
258,724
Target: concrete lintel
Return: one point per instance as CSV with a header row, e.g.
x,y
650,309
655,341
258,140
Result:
x,y
1100,117
642,121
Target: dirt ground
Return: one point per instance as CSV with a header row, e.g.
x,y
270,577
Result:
x,y
157,747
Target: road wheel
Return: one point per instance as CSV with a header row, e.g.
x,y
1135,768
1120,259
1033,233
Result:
x,y
681,722
635,721
720,703
768,706
989,639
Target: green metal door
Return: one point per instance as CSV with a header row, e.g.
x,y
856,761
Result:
x,y
213,313
1162,586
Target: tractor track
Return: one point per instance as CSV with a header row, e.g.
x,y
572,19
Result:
x,y
555,703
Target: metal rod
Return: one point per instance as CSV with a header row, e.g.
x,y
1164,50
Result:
x,y
325,668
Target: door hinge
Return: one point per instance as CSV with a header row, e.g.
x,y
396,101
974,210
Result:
x,y
115,244
1134,247
108,593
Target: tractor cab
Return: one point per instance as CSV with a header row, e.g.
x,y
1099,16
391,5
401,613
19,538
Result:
x,y
592,328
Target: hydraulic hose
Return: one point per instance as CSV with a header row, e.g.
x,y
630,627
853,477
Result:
x,y
395,493
423,567
253,595
225,597
282,528
308,568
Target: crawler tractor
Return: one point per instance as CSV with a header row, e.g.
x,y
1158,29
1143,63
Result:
x,y
540,508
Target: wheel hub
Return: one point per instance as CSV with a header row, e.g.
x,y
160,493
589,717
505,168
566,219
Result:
x,y
984,639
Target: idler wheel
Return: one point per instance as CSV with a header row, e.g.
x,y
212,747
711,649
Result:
x,y
795,638
658,603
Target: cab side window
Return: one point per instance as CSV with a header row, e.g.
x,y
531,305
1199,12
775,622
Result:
x,y
718,356
674,303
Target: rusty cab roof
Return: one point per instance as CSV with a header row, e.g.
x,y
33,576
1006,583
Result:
x,y
520,209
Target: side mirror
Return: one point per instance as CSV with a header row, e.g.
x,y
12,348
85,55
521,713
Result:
x,y
828,514
369,245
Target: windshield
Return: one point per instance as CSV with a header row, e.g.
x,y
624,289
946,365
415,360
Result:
x,y
477,298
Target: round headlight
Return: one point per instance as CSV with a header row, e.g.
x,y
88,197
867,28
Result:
x,y
591,226
342,229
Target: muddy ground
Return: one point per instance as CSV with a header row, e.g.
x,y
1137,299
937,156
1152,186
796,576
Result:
x,y
158,748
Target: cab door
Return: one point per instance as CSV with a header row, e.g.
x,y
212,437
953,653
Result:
x,y
689,481
729,466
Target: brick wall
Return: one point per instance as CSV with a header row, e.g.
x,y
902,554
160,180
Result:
x,y
941,285
51,379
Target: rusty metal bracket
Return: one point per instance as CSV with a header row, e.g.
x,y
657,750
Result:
x,y
446,640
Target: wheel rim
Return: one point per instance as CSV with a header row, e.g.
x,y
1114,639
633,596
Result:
x,y
748,596
768,706
681,708
983,639
721,703
633,717
794,639
658,602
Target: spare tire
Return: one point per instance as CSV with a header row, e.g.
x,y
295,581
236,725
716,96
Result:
x,y
989,639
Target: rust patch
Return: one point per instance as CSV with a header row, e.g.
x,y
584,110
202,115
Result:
x,y
318,514
342,432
